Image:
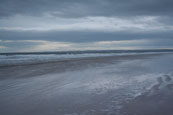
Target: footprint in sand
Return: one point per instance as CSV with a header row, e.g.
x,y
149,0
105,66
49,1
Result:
x,y
157,86
163,82
167,78
170,86
160,80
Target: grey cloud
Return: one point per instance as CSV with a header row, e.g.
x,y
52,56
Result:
x,y
83,36
16,47
43,45
78,8
12,12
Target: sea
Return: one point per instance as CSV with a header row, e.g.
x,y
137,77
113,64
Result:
x,y
19,58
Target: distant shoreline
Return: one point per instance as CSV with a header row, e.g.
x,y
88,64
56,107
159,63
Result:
x,y
87,51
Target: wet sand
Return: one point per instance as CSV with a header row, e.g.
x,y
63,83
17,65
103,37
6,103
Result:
x,y
158,100
38,69
114,85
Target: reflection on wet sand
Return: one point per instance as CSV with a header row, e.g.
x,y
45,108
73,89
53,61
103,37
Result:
x,y
123,85
156,101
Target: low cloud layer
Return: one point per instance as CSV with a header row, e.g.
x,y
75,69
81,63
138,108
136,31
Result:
x,y
42,45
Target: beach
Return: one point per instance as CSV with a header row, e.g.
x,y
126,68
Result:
x,y
139,84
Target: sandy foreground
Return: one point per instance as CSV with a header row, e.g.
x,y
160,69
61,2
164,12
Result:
x,y
113,85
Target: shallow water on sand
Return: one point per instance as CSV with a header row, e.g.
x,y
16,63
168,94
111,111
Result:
x,y
97,90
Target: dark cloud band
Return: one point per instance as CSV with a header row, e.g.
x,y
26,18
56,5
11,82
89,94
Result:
x,y
78,8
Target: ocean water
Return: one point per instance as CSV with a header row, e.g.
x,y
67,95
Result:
x,y
7,59
41,58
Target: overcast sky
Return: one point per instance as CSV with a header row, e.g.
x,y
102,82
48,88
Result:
x,y
59,25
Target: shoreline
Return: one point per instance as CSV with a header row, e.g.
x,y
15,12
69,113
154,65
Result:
x,y
84,58
38,69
